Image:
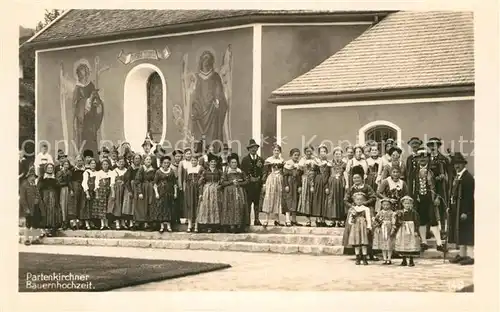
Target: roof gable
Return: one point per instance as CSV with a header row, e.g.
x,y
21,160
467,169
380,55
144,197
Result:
x,y
405,50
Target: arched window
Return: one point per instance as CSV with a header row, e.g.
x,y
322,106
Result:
x,y
144,105
379,131
155,106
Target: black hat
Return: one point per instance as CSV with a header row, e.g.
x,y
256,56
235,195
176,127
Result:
x,y
175,152
394,149
252,143
225,147
61,156
458,158
422,152
211,157
415,140
88,153
233,156
103,150
159,149
358,170
147,142
165,157
433,141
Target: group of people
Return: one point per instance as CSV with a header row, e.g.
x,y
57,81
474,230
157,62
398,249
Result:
x,y
358,189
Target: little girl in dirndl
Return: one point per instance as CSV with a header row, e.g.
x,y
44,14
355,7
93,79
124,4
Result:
x,y
359,218
384,222
407,242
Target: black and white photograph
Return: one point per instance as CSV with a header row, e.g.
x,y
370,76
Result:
x,y
247,150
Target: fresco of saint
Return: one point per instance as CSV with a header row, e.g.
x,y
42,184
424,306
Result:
x,y
88,108
208,97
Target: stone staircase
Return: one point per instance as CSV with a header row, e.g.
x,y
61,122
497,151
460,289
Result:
x,y
283,240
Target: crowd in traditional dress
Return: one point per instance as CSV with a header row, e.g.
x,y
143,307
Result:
x,y
385,203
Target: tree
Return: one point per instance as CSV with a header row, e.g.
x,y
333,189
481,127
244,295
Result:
x,y
49,17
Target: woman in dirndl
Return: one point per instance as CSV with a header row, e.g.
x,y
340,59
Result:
x,y
383,224
78,203
234,199
321,186
306,190
164,185
356,162
88,186
273,186
191,190
144,188
292,182
104,192
407,241
50,211
335,210
63,177
130,196
210,198
359,219
393,187
115,206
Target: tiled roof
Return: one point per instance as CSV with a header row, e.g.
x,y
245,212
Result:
x,y
405,50
85,23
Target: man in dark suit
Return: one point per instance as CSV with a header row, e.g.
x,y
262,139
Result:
x,y
461,211
439,165
412,165
252,165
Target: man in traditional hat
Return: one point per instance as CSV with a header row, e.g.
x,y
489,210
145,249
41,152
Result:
x,y
425,200
439,165
103,154
88,155
412,165
461,221
252,165
225,154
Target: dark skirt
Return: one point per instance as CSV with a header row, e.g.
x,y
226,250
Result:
x,y
335,207
291,198
319,199
162,210
65,201
143,206
191,197
50,213
100,205
115,204
234,203
78,203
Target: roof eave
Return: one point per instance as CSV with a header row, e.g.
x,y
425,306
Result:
x,y
421,92
216,23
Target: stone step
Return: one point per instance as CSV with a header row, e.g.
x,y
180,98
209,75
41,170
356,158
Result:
x,y
264,238
194,245
316,250
301,230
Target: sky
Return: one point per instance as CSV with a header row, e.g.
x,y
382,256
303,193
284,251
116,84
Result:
x,y
30,17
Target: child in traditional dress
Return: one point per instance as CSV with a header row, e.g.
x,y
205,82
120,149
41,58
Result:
x,y
407,241
29,199
88,186
191,192
292,182
273,186
66,194
360,221
115,205
384,221
104,192
165,182
209,211
234,201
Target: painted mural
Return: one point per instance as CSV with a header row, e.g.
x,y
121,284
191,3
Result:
x,y
207,98
86,104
